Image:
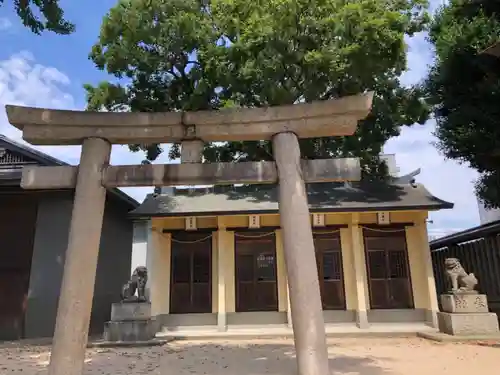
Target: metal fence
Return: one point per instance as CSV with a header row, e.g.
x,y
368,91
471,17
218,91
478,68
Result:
x,y
478,249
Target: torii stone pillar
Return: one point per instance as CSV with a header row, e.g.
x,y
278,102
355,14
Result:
x,y
300,259
337,117
77,289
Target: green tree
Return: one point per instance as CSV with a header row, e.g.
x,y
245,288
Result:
x,y
52,16
464,90
200,54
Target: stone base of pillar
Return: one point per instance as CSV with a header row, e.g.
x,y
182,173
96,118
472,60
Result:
x,y
289,317
466,314
431,318
362,320
221,322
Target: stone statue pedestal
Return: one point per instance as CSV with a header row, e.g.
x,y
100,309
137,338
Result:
x,y
466,314
130,311
130,322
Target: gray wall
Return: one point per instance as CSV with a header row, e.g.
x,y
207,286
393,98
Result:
x,y
51,237
140,244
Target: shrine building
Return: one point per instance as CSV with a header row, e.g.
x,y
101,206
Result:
x,y
215,255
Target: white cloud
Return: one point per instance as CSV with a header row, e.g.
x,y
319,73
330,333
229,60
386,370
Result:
x,y
5,24
24,82
419,56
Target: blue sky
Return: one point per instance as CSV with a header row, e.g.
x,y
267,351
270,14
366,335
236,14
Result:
x,y
49,71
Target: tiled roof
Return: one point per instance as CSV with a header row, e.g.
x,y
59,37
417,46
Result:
x,y
264,199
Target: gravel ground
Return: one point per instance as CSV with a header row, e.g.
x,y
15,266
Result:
x,y
276,357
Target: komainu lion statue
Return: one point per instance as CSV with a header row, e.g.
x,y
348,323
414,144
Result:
x,y
461,281
137,283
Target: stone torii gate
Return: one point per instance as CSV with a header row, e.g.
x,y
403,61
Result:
x,y
97,131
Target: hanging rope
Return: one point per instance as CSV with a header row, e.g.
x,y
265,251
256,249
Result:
x,y
262,235
195,241
383,230
254,236
327,232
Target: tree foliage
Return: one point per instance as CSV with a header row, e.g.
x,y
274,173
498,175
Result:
x,y
200,54
50,16
464,90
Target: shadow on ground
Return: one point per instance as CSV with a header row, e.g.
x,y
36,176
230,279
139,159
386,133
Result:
x,y
490,344
215,359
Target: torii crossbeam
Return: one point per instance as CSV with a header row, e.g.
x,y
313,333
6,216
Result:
x,y
97,131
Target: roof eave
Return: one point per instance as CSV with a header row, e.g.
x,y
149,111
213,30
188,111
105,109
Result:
x,y
144,215
51,161
466,235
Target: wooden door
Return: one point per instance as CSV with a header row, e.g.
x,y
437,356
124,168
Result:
x,y
256,281
17,229
191,276
330,273
387,268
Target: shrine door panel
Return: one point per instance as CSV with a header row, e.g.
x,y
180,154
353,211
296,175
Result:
x,y
330,273
256,276
191,278
387,268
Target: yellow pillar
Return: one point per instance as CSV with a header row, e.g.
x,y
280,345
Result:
x,y
283,291
215,272
288,309
425,253
160,271
359,265
230,273
281,273
417,267
222,271
348,269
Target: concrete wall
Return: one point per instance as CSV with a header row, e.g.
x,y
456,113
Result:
x,y
51,237
390,161
354,266
139,244
487,215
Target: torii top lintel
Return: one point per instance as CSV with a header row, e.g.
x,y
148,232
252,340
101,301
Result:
x,y
336,117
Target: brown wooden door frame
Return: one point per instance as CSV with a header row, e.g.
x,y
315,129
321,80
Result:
x,y
191,287
326,284
387,233
253,299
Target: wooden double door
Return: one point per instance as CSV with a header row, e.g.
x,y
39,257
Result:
x,y
330,273
255,271
191,273
387,268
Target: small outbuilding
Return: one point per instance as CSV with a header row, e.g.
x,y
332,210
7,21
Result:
x,y
34,227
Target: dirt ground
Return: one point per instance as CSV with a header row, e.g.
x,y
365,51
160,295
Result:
x,y
276,357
